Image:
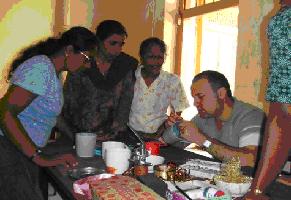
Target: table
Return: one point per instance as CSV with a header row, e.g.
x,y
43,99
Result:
x,y
64,184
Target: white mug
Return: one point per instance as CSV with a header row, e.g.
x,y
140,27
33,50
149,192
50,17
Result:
x,y
111,145
117,160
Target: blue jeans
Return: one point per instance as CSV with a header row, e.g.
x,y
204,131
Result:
x,y
18,175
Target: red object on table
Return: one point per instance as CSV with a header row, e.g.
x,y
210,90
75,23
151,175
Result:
x,y
153,147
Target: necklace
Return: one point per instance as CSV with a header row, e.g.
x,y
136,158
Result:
x,y
103,67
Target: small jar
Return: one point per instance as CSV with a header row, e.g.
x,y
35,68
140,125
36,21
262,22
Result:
x,y
140,170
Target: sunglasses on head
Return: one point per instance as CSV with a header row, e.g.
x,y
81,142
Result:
x,y
87,58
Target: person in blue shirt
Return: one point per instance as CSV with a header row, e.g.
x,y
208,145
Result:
x,y
30,107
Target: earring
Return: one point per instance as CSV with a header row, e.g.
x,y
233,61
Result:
x,y
66,61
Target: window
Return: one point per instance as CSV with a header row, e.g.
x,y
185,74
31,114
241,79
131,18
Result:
x,y
206,40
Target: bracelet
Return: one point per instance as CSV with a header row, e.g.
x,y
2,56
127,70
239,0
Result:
x,y
37,152
257,191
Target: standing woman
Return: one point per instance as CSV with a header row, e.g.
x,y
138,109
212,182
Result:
x,y
29,109
277,137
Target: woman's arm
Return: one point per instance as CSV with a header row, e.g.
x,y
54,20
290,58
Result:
x,y
14,102
275,148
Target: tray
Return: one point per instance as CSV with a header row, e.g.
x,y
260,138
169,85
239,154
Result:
x,y
79,173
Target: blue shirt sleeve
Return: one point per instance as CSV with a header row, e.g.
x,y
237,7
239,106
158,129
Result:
x,y
34,75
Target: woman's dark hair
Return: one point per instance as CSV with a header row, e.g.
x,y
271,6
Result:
x,y
109,27
147,44
215,79
79,37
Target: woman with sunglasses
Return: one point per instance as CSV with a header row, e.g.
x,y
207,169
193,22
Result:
x,y
98,99
30,107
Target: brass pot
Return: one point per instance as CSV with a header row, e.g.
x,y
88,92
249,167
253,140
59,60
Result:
x,y
165,172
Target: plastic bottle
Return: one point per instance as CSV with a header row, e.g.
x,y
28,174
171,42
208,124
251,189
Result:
x,y
204,193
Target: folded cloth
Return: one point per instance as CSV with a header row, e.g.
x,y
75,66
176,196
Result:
x,y
81,187
121,188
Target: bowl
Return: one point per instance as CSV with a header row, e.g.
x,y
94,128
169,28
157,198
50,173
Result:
x,y
154,160
234,189
79,173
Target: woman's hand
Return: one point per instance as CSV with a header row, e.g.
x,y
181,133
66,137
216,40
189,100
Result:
x,y
105,137
252,196
66,160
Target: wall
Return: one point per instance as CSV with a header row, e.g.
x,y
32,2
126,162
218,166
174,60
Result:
x,y
252,50
142,19
26,21
21,23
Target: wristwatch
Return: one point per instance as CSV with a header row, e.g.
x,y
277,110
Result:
x,y
207,143
37,152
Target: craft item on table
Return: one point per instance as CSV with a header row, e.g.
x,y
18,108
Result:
x,y
195,190
231,172
81,186
154,160
121,188
231,179
153,147
140,170
164,171
201,168
171,172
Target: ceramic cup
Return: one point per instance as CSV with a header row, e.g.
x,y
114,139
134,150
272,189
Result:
x,y
111,145
85,144
117,160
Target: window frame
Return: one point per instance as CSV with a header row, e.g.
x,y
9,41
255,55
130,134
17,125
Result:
x,y
200,9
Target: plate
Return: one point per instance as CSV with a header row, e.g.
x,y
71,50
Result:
x,y
79,173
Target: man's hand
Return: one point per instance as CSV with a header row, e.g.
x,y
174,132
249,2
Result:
x,y
191,133
172,119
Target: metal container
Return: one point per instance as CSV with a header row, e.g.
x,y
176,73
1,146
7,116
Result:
x,y
165,172
79,173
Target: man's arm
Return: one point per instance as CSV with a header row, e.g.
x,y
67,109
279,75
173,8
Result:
x,y
219,150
